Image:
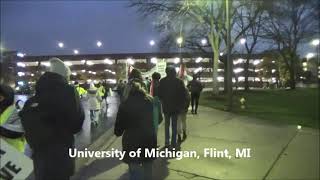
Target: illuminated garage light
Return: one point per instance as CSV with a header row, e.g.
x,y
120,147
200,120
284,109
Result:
x,y
21,74
107,61
176,60
20,83
154,60
68,63
20,64
130,61
89,63
19,54
199,59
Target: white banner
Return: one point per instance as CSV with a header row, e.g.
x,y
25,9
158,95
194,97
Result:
x,y
13,164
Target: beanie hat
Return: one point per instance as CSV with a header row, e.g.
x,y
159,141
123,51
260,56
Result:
x,y
58,66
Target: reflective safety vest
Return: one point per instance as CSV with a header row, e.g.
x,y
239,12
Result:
x,y
81,91
101,91
10,122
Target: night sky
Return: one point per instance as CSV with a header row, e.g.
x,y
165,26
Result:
x,y
36,27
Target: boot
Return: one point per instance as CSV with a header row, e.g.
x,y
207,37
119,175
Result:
x,y
184,135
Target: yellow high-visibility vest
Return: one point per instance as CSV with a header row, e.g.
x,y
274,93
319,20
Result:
x,y
81,91
101,91
17,143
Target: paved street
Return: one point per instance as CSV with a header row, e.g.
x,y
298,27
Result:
x,y
90,133
278,151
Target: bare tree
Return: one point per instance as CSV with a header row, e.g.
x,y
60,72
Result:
x,y
291,22
194,20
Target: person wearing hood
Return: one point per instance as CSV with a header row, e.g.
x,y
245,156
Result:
x,y
11,129
137,122
94,100
172,96
50,119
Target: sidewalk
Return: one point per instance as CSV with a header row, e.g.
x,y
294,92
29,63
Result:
x,y
278,151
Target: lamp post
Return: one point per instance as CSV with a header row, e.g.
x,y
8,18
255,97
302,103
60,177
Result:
x,y
179,42
229,62
316,43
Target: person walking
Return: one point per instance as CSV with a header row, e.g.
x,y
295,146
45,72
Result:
x,y
50,119
154,92
94,104
11,129
172,96
136,124
195,87
81,91
182,118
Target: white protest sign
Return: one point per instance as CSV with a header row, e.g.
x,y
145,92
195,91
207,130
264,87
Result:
x,y
161,68
13,164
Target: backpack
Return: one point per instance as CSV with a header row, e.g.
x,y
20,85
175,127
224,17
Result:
x,y
39,131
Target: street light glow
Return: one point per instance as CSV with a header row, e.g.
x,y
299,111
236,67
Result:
x,y
204,41
315,42
221,54
310,55
99,43
179,40
75,51
152,43
242,40
60,44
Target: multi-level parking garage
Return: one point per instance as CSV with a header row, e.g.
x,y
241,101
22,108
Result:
x,y
112,67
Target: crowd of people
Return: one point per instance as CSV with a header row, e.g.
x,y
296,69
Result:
x,y
143,105
49,120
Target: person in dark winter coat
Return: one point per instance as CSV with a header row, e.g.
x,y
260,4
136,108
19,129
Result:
x,y
195,87
172,96
50,119
137,127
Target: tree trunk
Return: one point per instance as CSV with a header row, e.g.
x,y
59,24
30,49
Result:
x,y
215,83
246,75
292,78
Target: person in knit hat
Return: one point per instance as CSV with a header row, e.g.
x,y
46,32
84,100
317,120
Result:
x,y
50,119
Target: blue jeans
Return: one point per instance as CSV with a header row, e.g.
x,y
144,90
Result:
x,y
140,171
173,118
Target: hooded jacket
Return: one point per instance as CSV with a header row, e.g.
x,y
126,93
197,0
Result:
x,y
93,98
172,93
64,118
